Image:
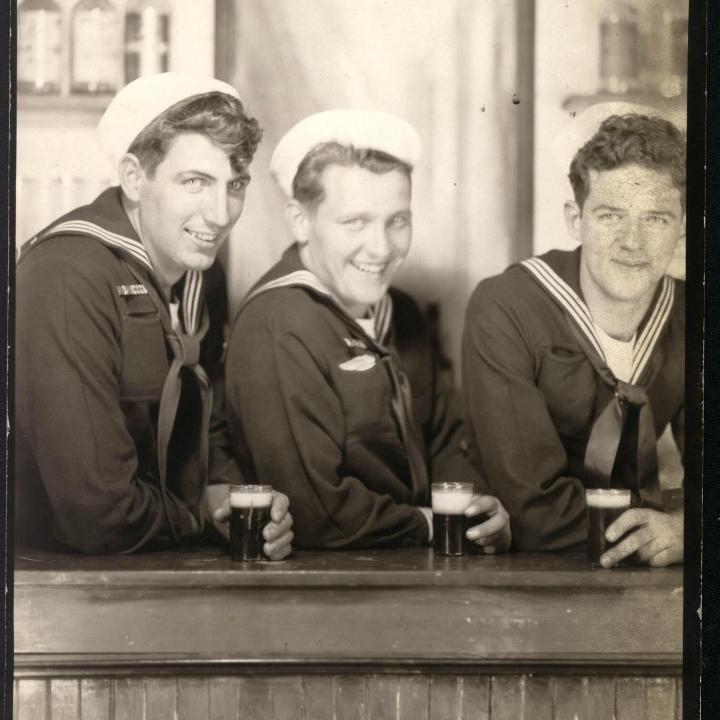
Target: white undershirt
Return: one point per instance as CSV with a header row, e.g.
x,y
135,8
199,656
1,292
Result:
x,y
618,354
175,315
368,325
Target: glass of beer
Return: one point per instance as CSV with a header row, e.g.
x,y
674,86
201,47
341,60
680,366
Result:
x,y
604,507
449,502
249,514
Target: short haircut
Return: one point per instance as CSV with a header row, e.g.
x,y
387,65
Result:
x,y
220,117
307,188
630,139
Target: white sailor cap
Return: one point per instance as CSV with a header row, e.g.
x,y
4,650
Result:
x,y
581,127
363,129
142,100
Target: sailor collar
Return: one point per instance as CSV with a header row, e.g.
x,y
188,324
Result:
x,y
561,290
381,312
105,220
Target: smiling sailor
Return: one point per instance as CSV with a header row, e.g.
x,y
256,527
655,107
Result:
x,y
332,384
120,313
574,361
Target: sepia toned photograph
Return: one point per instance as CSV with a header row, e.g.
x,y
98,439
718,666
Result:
x,y
350,360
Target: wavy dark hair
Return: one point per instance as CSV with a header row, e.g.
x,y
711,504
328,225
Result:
x,y
307,188
651,142
218,116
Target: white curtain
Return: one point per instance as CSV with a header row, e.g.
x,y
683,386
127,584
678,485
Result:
x,y
449,67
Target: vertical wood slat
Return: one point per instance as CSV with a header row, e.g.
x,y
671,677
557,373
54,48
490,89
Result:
x,y
382,697
413,698
287,698
350,698
537,699
128,698
660,699
446,696
255,698
95,699
600,701
193,699
569,699
160,698
319,698
505,698
629,698
224,698
679,698
475,697
15,704
64,699
32,700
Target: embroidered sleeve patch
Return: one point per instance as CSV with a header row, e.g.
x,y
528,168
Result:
x,y
361,363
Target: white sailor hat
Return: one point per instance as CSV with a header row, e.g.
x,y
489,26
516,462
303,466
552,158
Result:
x,y
581,127
363,129
142,100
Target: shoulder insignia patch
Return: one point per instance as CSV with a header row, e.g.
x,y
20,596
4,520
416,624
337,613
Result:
x,y
360,363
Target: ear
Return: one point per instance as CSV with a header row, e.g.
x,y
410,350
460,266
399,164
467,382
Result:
x,y
573,216
299,220
131,176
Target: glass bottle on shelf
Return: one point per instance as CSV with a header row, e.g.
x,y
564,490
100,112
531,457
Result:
x,y
672,80
147,38
96,58
39,44
620,44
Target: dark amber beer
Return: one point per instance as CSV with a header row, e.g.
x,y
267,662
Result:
x,y
604,507
249,514
449,502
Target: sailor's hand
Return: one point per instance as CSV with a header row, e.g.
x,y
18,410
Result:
x,y
493,533
217,502
277,533
655,537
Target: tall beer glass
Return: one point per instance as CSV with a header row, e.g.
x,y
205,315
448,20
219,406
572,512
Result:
x,y
449,502
604,507
249,514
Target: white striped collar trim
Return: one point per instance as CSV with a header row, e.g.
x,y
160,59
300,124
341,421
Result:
x,y
580,313
381,312
192,299
567,298
645,344
133,247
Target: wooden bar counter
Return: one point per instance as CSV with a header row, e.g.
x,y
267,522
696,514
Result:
x,y
374,634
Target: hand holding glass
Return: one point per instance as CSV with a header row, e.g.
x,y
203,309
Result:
x,y
249,514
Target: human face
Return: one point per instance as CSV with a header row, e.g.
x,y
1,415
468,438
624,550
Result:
x,y
629,228
187,209
359,235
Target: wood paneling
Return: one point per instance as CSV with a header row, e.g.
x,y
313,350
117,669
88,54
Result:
x,y
95,699
128,699
224,698
336,697
31,700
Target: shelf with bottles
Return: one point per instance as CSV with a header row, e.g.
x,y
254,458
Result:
x,y
643,55
77,53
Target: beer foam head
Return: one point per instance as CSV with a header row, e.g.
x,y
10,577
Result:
x,y
608,498
451,498
245,496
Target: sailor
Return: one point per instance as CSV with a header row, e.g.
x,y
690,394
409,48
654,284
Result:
x,y
120,442
332,383
573,362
